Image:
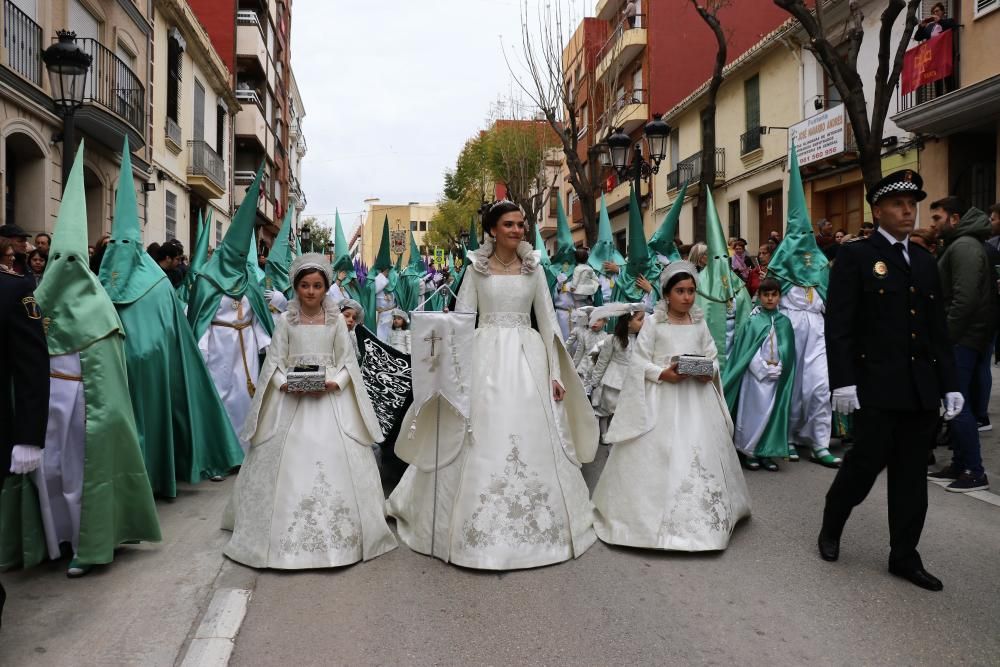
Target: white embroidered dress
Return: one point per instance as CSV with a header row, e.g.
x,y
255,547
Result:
x,y
309,493
609,374
509,489
672,480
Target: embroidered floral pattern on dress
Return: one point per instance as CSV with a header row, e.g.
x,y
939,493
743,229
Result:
x,y
321,521
514,509
699,502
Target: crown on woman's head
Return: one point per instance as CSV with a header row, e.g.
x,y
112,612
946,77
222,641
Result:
x,y
502,201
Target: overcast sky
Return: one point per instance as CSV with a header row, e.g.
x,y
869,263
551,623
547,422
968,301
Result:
x,y
392,90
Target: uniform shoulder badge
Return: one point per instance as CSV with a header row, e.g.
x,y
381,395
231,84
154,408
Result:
x,y
31,308
880,270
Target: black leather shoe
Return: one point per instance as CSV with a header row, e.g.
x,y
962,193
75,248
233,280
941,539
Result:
x,y
919,577
829,547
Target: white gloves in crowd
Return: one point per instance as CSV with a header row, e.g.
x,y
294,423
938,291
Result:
x,y
953,404
25,459
845,400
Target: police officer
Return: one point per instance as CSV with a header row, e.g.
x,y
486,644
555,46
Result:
x,y
890,363
24,379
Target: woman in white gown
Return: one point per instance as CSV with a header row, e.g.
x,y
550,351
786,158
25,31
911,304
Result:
x,y
309,493
673,480
508,487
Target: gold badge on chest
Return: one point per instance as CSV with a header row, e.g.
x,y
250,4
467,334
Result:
x,y
880,269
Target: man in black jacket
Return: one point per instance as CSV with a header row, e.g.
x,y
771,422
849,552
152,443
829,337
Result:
x,y
24,379
890,361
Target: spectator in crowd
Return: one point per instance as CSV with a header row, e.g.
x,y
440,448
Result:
x,y
90,251
97,256
740,260
630,12
759,272
926,238
867,229
825,238
37,259
935,24
19,240
968,288
699,256
168,257
42,241
7,253
994,240
839,236
153,249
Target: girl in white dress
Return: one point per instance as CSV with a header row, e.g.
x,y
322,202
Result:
x,y
503,491
613,361
309,493
673,480
399,337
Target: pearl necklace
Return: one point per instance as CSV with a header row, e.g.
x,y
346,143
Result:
x,y
674,320
312,319
506,265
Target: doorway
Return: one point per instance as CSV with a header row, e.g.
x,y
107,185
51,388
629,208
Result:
x,y
845,208
771,216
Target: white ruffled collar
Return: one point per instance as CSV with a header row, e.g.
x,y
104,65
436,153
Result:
x,y
481,257
660,312
329,308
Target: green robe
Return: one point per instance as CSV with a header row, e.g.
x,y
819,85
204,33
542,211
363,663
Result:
x,y
749,339
117,503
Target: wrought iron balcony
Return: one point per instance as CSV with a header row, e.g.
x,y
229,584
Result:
x,y
112,84
690,170
22,43
206,169
750,140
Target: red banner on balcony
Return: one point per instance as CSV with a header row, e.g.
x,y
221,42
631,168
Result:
x,y
927,62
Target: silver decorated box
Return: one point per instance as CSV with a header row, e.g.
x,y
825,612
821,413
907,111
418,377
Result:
x,y
694,364
307,381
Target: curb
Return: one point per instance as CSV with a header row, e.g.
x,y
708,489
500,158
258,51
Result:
x,y
213,641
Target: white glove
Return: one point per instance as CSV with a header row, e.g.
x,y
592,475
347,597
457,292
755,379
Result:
x,y
276,299
845,400
953,404
774,372
25,459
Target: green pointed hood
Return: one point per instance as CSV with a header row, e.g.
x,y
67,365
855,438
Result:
x,y
473,237
253,263
662,240
416,266
543,259
279,260
76,308
298,247
200,254
565,248
342,261
127,271
798,260
640,259
228,271
604,250
717,281
384,258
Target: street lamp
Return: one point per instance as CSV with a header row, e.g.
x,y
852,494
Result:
x,y
330,248
657,133
305,236
68,65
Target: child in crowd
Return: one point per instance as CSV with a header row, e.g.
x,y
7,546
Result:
x,y
399,337
580,320
613,360
588,339
758,381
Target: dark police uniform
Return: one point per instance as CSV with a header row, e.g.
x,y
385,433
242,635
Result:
x,y
24,370
886,334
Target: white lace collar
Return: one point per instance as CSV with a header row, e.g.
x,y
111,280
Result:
x,y
481,258
329,308
660,312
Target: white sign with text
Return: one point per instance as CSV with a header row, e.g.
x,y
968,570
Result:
x,y
819,136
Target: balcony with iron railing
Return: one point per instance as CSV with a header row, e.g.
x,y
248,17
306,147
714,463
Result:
x,y
22,43
627,40
750,140
690,170
935,89
629,111
113,93
206,172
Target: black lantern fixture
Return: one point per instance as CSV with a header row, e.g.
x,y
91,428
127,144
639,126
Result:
x,y
464,237
67,65
330,248
305,236
634,165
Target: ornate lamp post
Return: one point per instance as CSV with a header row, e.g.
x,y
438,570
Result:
x,y
657,133
67,65
305,236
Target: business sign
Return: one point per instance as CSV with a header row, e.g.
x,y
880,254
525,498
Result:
x,y
819,136
438,257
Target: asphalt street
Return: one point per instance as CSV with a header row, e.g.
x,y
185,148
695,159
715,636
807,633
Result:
x,y
768,599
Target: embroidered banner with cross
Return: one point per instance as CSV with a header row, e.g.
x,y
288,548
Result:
x,y
441,354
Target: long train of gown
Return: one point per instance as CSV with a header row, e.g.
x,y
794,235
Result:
x,y
510,493
309,494
672,480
